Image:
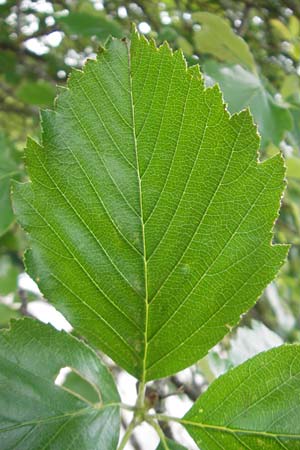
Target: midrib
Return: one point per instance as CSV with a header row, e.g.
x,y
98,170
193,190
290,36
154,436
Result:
x,y
143,374
225,429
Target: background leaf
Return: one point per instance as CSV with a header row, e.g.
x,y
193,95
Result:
x,y
217,38
6,314
34,411
9,169
85,24
242,89
36,93
8,275
293,167
281,29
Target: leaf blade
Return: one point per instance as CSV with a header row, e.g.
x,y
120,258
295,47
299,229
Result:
x,y
123,210
251,405
134,215
35,412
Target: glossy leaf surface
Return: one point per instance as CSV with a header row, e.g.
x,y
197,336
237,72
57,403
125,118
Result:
x,y
35,413
149,215
254,406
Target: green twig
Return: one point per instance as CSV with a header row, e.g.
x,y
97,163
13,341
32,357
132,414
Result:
x,y
160,432
128,407
163,418
127,434
141,396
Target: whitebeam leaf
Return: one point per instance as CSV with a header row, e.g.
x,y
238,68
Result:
x,y
35,413
254,406
149,215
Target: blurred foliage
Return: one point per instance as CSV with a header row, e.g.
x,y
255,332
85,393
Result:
x,y
252,48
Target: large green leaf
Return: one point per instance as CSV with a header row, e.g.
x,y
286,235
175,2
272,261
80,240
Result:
x,y
36,413
216,37
242,89
150,218
254,406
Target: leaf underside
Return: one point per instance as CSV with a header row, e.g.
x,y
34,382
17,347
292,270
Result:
x,y
254,406
149,215
37,414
